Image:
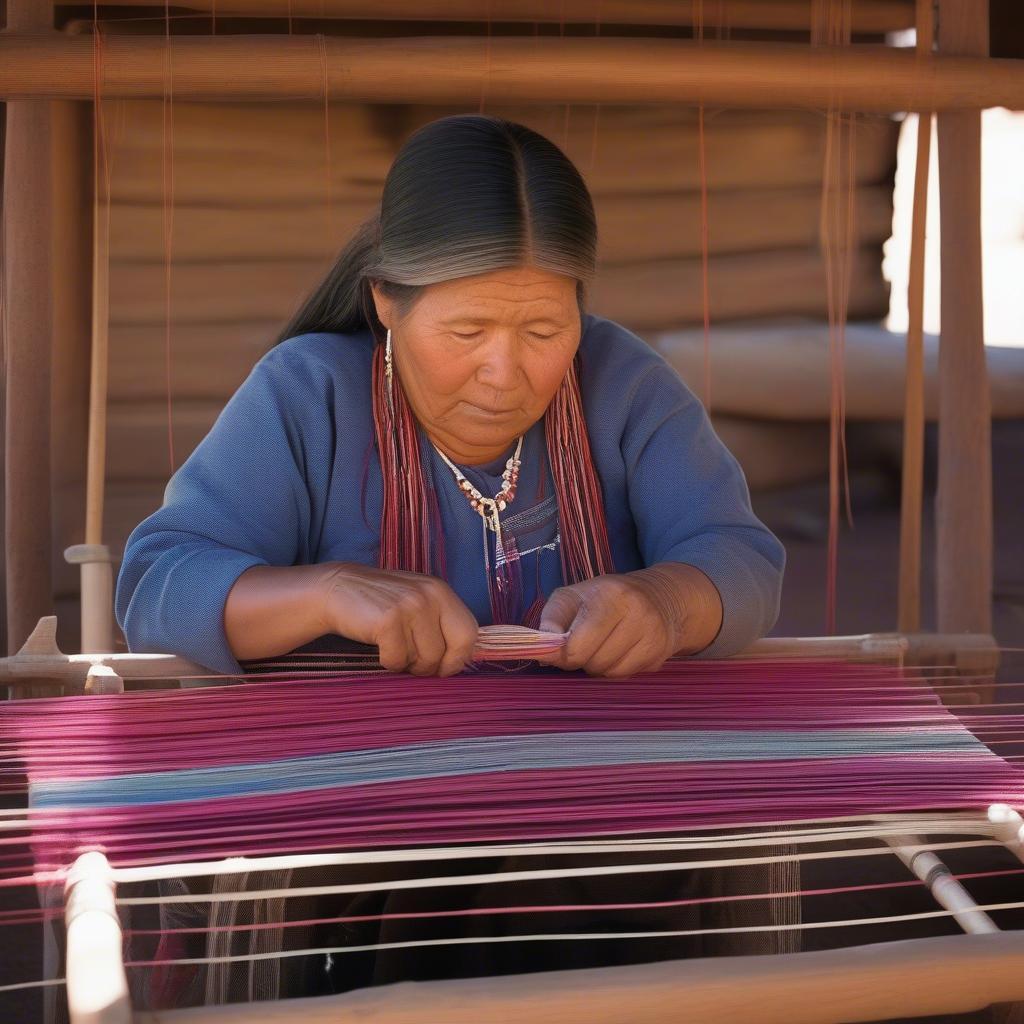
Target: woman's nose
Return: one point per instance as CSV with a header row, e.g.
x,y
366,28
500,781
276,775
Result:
x,y
500,365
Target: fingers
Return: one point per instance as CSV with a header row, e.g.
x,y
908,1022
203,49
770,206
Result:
x,y
561,608
620,643
613,628
583,612
426,630
459,629
393,645
641,657
408,633
426,643
589,631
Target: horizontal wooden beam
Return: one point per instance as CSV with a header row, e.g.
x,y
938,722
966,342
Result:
x,y
781,371
633,228
251,154
530,70
949,974
40,657
650,295
868,16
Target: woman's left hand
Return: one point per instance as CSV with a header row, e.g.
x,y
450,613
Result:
x,y
623,624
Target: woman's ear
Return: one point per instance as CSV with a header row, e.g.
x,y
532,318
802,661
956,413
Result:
x,y
382,304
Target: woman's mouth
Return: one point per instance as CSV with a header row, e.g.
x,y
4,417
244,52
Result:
x,y
482,410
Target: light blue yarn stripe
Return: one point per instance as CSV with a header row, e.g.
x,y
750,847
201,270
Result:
x,y
480,755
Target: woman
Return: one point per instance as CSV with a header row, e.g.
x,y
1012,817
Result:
x,y
443,438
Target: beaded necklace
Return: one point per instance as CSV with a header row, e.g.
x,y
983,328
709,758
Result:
x,y
490,507
489,510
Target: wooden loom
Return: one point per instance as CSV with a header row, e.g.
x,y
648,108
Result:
x,y
871,982
956,83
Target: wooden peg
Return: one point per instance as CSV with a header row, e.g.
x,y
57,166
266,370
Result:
x,y
96,982
103,679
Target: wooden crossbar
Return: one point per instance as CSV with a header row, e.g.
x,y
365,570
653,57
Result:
x,y
871,16
950,974
440,69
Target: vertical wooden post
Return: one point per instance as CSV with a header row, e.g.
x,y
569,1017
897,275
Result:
x,y
72,301
97,579
28,329
964,502
96,983
911,502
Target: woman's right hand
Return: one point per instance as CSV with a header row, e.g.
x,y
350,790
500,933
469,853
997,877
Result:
x,y
418,622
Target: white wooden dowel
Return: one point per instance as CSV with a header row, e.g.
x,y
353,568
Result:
x,y
1009,828
97,595
96,982
948,892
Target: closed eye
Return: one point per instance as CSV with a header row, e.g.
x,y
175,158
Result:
x,y
476,334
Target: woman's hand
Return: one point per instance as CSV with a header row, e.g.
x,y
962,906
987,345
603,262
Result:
x,y
624,624
416,621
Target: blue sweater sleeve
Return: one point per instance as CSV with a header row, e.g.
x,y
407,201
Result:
x,y
691,504
239,500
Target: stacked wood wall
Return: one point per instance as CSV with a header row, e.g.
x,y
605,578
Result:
x,y
248,235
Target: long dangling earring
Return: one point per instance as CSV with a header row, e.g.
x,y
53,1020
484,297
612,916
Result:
x,y
585,549
389,372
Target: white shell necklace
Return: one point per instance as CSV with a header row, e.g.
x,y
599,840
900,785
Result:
x,y
490,507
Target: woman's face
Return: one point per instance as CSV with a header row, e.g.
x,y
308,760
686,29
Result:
x,y
481,357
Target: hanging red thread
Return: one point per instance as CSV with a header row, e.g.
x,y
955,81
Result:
x,y
487,60
322,48
584,544
698,18
167,181
405,535
832,25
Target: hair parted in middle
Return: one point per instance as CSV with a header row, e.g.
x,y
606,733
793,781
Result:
x,y
465,195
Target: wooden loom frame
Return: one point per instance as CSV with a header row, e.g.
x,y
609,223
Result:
x,y
39,65
860,983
